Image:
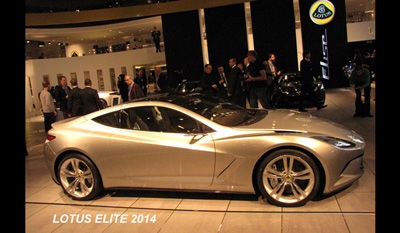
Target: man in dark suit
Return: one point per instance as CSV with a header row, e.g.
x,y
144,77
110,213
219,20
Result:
x,y
61,95
234,91
209,82
89,98
307,80
141,80
222,83
156,34
123,87
273,73
161,80
74,100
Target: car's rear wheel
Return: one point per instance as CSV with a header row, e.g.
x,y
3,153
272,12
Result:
x,y
288,178
79,177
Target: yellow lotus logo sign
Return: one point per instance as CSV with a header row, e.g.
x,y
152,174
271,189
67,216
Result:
x,y
322,12
74,53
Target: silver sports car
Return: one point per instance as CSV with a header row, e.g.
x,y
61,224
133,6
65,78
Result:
x,y
194,143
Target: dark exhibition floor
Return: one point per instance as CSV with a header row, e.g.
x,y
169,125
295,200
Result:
x,y
48,209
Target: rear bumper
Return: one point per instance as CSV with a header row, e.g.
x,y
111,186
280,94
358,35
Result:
x,y
50,158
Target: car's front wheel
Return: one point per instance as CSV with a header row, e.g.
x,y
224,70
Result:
x,y
79,177
288,178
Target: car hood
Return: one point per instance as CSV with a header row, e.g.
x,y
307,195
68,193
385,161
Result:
x,y
293,121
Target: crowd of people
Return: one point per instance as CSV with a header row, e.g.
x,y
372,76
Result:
x,y
257,81
254,79
132,88
72,101
248,79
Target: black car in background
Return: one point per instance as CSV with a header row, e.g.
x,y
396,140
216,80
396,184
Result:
x,y
289,87
186,87
288,91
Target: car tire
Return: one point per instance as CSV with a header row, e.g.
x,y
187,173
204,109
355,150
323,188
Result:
x,y
288,178
79,177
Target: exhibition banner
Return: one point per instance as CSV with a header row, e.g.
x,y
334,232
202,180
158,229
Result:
x,y
183,44
274,31
226,34
324,33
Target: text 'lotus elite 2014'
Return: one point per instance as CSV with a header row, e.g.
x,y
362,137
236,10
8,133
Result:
x,y
195,142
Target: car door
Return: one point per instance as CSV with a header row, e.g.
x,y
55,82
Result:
x,y
160,147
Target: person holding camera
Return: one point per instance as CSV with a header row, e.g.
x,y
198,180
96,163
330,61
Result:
x,y
257,81
359,80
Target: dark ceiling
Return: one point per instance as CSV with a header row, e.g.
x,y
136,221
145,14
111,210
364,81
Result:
x,y
46,6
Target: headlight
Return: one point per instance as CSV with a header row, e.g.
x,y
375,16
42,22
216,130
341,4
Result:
x,y
336,142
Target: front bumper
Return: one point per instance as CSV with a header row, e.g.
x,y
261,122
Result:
x,y
353,170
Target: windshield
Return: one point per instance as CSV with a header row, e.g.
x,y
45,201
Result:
x,y
189,87
290,77
222,113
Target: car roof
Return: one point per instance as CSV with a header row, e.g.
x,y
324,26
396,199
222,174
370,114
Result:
x,y
166,98
175,98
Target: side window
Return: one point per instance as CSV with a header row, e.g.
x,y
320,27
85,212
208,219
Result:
x,y
139,118
156,119
176,122
111,119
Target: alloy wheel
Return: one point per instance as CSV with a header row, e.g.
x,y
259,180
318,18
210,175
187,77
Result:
x,y
76,177
288,179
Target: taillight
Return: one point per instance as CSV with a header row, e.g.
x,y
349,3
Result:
x,y
50,137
